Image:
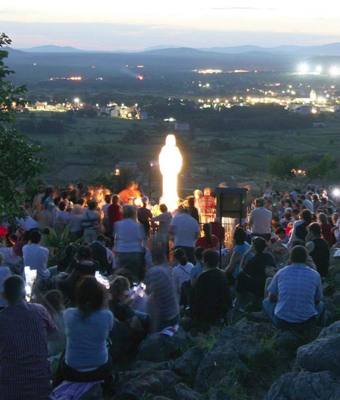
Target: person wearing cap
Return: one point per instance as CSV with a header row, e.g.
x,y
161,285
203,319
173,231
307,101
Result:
x,y
145,215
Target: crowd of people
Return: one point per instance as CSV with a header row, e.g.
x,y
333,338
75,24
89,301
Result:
x,y
133,269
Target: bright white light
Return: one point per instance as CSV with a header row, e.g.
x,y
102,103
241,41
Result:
x,y
336,192
170,162
76,100
319,69
334,71
303,68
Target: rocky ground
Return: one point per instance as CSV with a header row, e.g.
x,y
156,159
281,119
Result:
x,y
246,360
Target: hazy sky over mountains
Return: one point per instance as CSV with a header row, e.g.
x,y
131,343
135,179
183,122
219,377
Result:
x,y
134,25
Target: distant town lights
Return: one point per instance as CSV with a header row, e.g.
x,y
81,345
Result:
x,y
334,71
319,69
76,100
303,68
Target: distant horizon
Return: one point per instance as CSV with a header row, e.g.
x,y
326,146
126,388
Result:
x,y
169,46
192,23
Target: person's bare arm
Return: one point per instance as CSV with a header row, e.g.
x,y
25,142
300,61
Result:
x,y
235,258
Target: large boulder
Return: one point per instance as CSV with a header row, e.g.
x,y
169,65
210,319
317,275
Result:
x,y
135,387
324,353
187,365
228,357
305,386
183,392
159,347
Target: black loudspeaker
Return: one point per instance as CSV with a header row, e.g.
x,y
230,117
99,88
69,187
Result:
x,y
231,202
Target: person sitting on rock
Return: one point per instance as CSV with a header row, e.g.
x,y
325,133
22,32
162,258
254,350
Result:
x,y
320,252
210,298
295,294
253,277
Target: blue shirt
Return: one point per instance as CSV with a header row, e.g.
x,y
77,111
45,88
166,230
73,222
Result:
x,y
298,287
196,271
240,249
86,338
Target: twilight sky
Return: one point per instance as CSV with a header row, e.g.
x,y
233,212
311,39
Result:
x,y
137,24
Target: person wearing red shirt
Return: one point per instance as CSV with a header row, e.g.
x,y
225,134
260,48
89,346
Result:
x,y
208,241
326,229
114,213
208,206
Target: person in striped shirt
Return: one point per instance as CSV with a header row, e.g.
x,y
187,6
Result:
x,y
25,372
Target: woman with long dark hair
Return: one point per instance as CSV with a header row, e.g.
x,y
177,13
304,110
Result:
x,y
87,329
208,241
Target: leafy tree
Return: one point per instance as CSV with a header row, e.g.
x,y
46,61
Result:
x,y
19,161
281,165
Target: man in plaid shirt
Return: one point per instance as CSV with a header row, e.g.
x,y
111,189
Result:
x,y
25,372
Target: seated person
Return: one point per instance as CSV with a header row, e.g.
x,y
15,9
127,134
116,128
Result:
x,y
295,295
83,265
119,305
87,329
25,369
253,276
241,246
320,249
198,268
210,297
162,305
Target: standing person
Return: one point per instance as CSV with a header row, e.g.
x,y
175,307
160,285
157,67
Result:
x,y
37,200
91,222
193,211
87,329
130,192
114,213
208,241
129,241
105,209
145,215
260,220
25,370
36,257
185,231
267,190
208,206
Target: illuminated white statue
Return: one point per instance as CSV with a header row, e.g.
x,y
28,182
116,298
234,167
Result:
x,y
170,162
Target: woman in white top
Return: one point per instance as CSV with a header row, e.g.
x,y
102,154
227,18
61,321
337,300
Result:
x,y
180,273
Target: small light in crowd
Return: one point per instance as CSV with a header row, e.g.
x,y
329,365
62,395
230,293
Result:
x,y
117,172
336,192
76,100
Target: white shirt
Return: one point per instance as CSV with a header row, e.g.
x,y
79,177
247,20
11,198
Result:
x,y
181,274
260,221
164,220
64,217
36,258
129,236
186,230
309,205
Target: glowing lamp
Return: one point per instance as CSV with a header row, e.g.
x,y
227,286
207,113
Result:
x,y
336,192
303,68
170,162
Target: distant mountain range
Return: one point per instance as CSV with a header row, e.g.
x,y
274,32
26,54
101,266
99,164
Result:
x,y
332,49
